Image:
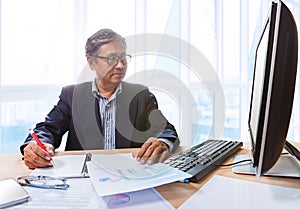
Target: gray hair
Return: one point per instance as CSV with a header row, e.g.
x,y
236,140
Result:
x,y
100,38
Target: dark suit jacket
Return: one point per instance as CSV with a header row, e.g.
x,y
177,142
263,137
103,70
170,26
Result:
x,y
77,112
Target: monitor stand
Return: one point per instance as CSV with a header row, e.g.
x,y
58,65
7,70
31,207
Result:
x,y
286,166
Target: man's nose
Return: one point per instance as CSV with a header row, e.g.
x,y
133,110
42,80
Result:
x,y
120,64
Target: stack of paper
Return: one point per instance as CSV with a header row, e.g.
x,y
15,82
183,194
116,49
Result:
x,y
116,181
81,195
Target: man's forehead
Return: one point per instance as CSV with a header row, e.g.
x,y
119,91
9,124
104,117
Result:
x,y
113,47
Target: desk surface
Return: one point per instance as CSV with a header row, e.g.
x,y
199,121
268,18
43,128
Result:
x,y
12,166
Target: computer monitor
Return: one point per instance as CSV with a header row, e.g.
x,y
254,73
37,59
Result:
x,y
273,89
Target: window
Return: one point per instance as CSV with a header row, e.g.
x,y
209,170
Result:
x,y
42,49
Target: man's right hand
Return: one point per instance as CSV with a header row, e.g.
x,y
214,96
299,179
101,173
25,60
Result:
x,y
35,156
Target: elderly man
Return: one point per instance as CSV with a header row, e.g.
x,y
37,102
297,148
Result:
x,y
106,113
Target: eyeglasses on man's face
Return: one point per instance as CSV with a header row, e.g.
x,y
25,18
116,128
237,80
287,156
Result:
x,y
44,182
114,60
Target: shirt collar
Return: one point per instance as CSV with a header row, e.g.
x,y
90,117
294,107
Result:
x,y
96,93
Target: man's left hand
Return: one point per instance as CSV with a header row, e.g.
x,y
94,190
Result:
x,y
153,151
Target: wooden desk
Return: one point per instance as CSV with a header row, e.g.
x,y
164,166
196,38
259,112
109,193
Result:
x,y
12,166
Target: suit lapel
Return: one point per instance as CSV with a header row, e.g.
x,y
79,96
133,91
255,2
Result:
x,y
86,117
124,127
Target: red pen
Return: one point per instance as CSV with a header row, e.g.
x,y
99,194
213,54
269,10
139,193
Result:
x,y
38,141
36,138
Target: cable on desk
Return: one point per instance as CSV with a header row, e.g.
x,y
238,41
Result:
x,y
246,160
238,162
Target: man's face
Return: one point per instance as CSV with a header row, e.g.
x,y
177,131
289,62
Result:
x,y
110,74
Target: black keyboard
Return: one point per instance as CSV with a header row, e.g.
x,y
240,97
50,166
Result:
x,y
201,159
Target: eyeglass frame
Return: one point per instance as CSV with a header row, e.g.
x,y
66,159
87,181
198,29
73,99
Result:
x,y
28,182
125,58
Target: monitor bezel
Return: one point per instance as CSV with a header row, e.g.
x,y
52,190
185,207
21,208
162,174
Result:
x,y
279,83
256,138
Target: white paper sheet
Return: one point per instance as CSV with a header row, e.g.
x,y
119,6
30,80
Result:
x,y
119,174
80,195
64,166
223,192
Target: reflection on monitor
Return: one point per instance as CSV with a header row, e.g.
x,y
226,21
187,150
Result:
x,y
273,94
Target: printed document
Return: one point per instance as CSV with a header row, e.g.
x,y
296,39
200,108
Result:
x,y
114,173
145,199
80,195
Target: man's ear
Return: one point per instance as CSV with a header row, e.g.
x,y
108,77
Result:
x,y
91,62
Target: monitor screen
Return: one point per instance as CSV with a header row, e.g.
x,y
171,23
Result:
x,y
258,87
273,87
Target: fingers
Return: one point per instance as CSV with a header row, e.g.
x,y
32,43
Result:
x,y
142,151
49,148
153,151
35,156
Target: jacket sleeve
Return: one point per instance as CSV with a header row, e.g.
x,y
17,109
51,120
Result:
x,y
56,123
